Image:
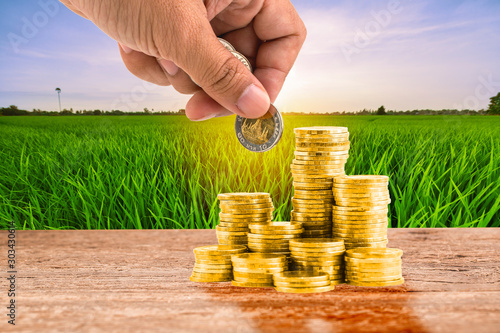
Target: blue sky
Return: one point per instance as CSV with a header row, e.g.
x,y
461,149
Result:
x,y
358,54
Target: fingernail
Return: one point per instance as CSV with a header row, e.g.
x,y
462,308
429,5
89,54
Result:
x,y
169,66
205,118
254,102
125,49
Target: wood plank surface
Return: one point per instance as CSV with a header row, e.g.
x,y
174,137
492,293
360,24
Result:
x,y
137,281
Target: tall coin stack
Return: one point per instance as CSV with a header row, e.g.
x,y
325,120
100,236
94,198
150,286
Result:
x,y
319,255
273,237
257,269
320,155
369,267
360,210
238,210
213,262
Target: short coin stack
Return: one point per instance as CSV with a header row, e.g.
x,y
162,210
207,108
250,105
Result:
x,y
213,262
237,211
303,282
273,237
319,255
320,154
257,269
360,210
371,267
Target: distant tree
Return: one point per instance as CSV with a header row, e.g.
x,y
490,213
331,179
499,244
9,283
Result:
x,y
381,111
97,112
494,107
146,110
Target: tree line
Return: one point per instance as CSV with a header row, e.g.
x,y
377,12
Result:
x,y
493,109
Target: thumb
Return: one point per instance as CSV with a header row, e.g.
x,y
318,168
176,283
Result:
x,y
223,77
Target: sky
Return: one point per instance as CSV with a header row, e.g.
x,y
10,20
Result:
x,y
405,55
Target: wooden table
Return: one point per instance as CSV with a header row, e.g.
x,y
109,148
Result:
x,y
137,281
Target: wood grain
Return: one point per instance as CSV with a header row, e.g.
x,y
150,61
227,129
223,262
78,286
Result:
x,y
137,281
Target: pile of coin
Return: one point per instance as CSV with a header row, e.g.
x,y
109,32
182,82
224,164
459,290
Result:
x,y
319,255
238,210
360,210
303,282
213,262
372,267
273,237
257,269
320,154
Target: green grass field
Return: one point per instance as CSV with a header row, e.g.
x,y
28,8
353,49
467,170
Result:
x,y
165,172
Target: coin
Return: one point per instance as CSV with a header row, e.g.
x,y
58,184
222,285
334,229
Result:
x,y
374,253
226,44
317,243
246,201
239,196
319,130
251,284
252,280
300,276
209,279
257,257
234,224
225,206
376,284
362,179
305,290
216,250
231,229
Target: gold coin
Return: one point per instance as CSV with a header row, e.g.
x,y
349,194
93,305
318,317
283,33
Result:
x,y
216,250
356,210
362,179
215,279
360,231
321,262
266,249
257,258
328,180
245,217
276,232
250,280
353,203
238,196
313,200
251,284
272,236
361,196
338,269
337,146
276,265
234,225
309,254
320,136
269,241
271,270
363,261
232,233
246,202
256,207
303,284
376,284
246,220
347,225
231,229
300,276
226,266
359,215
213,262
314,215
318,243
327,206
374,253
305,290
308,186
336,165
319,130
321,146
358,187
353,245
311,163
276,226
304,219
203,275
238,211
247,275
214,257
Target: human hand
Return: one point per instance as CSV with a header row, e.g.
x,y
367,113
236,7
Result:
x,y
168,42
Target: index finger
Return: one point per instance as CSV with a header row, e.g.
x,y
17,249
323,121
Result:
x,y
279,25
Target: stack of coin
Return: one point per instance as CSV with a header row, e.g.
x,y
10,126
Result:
x,y
319,255
360,210
303,282
371,267
213,262
320,154
237,211
273,237
256,269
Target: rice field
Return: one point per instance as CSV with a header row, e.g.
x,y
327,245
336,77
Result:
x,y
135,172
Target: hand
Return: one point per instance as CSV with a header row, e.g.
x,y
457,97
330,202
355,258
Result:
x,y
168,42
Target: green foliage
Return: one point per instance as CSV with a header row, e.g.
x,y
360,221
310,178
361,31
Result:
x,y
381,111
494,107
104,172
